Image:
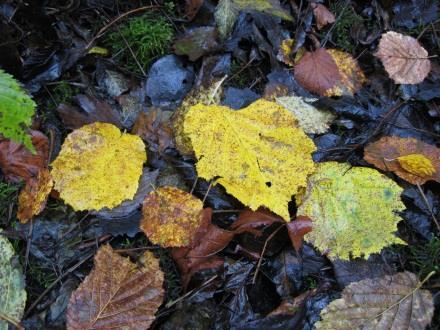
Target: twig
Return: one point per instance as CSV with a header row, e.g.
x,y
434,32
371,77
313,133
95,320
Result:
x,y
14,322
189,293
28,244
207,191
428,206
194,185
115,20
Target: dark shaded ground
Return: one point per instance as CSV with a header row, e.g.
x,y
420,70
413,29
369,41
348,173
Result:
x,y
43,44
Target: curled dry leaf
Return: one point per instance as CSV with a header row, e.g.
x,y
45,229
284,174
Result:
x,y
390,302
33,197
117,294
98,167
171,217
322,15
339,199
261,146
404,59
18,163
329,72
413,160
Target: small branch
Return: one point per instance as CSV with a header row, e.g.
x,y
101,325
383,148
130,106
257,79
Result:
x,y
429,207
12,321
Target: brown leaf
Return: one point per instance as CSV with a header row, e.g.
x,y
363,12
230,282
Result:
x,y
390,302
405,60
91,110
322,15
155,129
248,221
171,217
117,294
197,42
329,72
192,8
297,229
18,163
384,154
33,197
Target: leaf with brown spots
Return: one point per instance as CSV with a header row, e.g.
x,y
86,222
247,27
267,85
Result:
x,y
404,59
18,163
322,15
33,197
329,72
117,294
413,160
171,217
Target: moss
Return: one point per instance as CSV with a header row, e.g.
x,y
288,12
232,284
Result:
x,y
426,258
341,30
8,200
148,36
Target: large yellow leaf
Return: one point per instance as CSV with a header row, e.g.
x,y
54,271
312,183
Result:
x,y
353,210
98,167
259,154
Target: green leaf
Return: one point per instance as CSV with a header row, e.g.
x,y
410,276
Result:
x,y
16,111
353,210
12,292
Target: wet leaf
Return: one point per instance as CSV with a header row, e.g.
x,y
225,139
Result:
x,y
413,160
33,197
16,111
192,8
297,229
18,163
98,167
12,285
197,42
285,52
390,302
260,145
117,294
322,15
171,216
310,119
329,72
339,200
405,60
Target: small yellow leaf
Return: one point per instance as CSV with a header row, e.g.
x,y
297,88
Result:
x,y
98,51
417,164
259,154
98,167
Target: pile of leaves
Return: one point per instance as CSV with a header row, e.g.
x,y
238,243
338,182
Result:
x,y
245,165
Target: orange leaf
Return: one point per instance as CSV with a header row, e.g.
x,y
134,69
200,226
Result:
x,y
405,60
33,197
411,159
171,217
117,294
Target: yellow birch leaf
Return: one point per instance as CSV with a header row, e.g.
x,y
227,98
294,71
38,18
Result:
x,y
259,154
417,164
98,167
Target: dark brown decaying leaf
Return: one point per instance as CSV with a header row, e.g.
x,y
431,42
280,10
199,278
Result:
x,y
322,15
390,302
317,71
18,163
384,153
192,8
33,197
91,110
197,42
154,127
405,60
117,294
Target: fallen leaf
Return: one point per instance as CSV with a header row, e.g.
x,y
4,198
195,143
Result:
x,y
322,15
227,11
261,146
390,302
33,197
404,59
91,110
339,200
117,294
297,229
197,42
329,72
192,8
310,119
98,166
413,160
18,163
203,95
12,285
285,52
154,127
171,216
